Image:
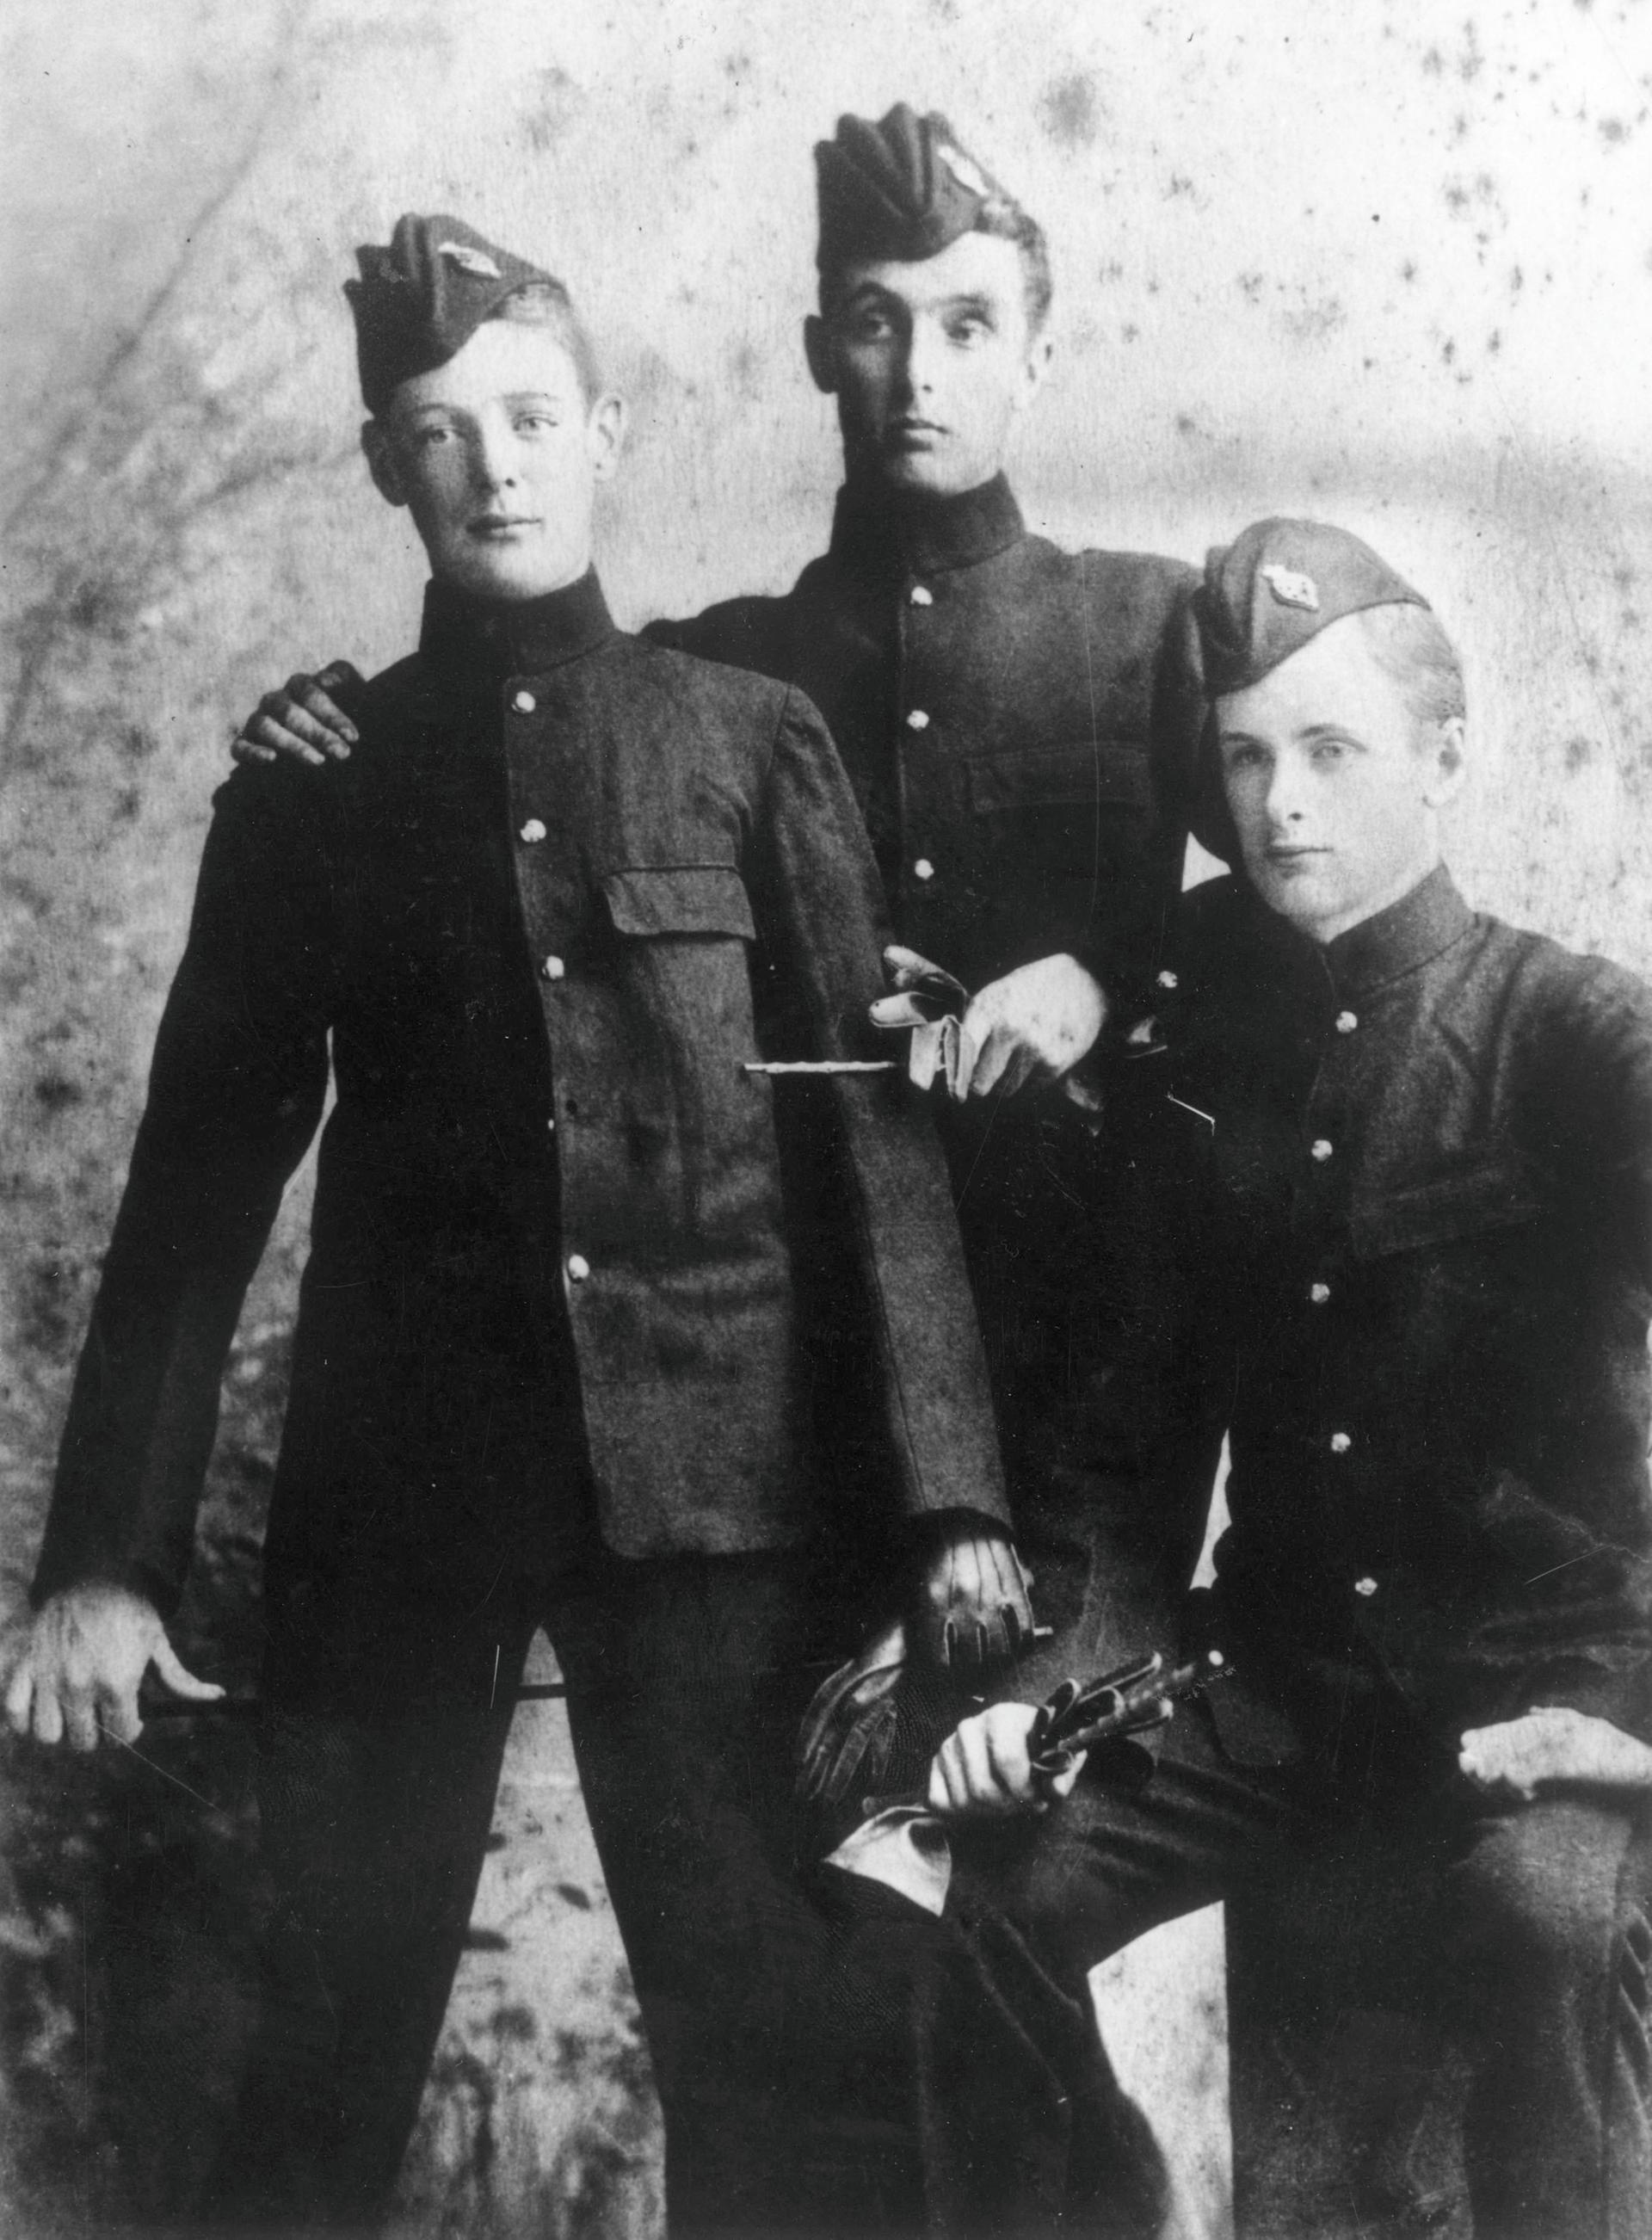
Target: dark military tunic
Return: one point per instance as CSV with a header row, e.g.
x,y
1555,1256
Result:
x,y
553,1364
1412,1173
1423,1155
1024,757
567,885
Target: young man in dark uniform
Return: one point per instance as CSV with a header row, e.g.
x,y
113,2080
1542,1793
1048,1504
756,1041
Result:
x,y
1023,764
1410,1151
551,1356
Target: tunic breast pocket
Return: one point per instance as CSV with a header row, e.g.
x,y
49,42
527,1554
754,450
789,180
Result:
x,y
1458,1256
684,931
1071,808
677,1022
1474,1204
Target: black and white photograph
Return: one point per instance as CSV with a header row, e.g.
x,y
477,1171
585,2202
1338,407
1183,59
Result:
x,y
826,1247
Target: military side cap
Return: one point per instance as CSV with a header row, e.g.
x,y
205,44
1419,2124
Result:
x,y
901,188
419,302
1277,585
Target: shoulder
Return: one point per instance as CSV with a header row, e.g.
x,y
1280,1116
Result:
x,y
1559,997
748,633
695,684
1151,583
305,798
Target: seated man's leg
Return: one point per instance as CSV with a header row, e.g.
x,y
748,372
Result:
x,y
1548,1908
378,1767
1038,1904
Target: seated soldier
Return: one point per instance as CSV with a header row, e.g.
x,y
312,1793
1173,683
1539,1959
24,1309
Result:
x,y
1409,1148
549,1364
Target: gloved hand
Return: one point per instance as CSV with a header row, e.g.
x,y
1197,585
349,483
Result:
x,y
929,1003
974,1601
849,1728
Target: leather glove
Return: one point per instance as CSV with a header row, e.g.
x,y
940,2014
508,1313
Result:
x,y
849,1728
927,1001
974,1606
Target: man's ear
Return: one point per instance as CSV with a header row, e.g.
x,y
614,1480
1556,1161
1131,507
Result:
x,y
817,349
1035,367
381,462
605,434
1447,756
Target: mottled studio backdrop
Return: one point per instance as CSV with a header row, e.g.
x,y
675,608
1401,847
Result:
x,y
1388,263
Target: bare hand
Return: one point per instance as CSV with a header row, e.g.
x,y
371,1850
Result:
x,y
1553,1743
983,1771
1036,1023
300,720
974,1607
78,1672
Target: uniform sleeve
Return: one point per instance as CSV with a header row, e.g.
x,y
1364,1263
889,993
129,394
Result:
x,y
1127,929
819,907
1599,1073
234,1094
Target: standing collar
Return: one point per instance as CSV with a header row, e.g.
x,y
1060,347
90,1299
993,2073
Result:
x,y
473,641
1398,940
897,532
1407,934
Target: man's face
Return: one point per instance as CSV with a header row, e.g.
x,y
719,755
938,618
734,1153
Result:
x,y
930,363
1333,785
498,454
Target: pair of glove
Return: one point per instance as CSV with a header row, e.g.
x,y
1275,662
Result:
x,y
973,1610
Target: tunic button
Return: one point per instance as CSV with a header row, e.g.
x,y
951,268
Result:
x,y
1340,1442
916,720
1366,1587
1346,1023
550,1127
1167,980
578,1267
524,703
532,831
923,868
1320,1149
1319,1293
921,596
553,968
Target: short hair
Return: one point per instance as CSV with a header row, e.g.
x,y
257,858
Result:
x,y
1409,643
1002,217
548,304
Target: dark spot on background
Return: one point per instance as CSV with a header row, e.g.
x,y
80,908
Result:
x,y
1070,110
1578,750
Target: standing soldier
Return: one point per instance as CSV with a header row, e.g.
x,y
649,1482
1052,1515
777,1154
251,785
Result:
x,y
1024,767
570,896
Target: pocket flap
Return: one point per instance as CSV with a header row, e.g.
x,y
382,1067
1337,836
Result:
x,y
680,898
1076,773
1497,1194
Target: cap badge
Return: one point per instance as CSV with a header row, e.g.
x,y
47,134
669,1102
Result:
x,y
470,260
968,174
1290,588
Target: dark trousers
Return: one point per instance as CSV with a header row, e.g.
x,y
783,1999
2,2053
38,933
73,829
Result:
x,y
385,1729
830,2060
1531,1942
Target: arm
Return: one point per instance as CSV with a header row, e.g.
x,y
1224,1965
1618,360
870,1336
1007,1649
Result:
x,y
819,909
1039,1021
235,1094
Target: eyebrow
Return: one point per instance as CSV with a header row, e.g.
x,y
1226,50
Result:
x,y
873,291
511,396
